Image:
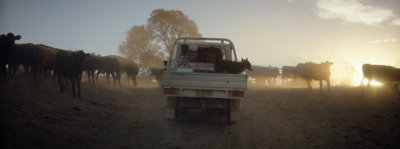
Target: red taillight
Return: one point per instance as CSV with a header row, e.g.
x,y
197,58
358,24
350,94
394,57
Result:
x,y
169,91
237,93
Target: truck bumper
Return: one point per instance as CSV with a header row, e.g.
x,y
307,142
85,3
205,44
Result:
x,y
174,105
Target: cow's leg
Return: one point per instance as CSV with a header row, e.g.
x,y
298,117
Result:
x,y
308,81
60,83
26,68
328,82
115,79
94,81
133,78
369,83
320,85
54,78
72,80
78,84
88,72
92,76
108,79
97,75
119,79
3,74
41,75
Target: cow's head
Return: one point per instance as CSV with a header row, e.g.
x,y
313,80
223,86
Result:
x,y
9,39
247,64
11,36
326,63
79,57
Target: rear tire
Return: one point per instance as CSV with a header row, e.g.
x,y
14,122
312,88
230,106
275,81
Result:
x,y
178,110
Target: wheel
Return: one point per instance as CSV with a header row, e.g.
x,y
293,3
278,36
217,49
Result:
x,y
177,109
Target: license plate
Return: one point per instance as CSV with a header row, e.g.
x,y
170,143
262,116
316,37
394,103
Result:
x,y
203,93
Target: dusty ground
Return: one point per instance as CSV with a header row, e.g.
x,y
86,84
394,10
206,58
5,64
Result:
x,y
126,117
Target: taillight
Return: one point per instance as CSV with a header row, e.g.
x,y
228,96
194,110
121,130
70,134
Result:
x,y
169,91
237,93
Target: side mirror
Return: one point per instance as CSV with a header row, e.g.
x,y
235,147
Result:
x,y
165,63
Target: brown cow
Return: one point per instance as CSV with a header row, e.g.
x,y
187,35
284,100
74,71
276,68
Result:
x,y
25,56
45,60
387,75
128,66
69,64
90,65
109,66
312,71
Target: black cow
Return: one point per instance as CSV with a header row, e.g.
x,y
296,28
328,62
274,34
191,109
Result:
x,y
110,66
128,66
69,64
387,75
7,55
157,73
90,65
25,56
312,71
225,66
45,61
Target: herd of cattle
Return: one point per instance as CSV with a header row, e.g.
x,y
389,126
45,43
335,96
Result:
x,y
387,75
307,71
38,59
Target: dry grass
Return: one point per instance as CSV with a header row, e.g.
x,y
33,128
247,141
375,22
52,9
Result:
x,y
127,117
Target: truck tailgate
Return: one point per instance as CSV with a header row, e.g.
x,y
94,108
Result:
x,y
204,80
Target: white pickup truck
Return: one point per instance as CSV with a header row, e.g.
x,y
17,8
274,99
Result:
x,y
189,80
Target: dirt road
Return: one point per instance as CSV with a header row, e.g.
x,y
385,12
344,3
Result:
x,y
106,117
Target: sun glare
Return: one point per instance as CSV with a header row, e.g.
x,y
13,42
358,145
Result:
x,y
357,79
350,73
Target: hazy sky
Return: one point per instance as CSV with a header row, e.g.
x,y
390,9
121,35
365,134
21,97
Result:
x,y
268,32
